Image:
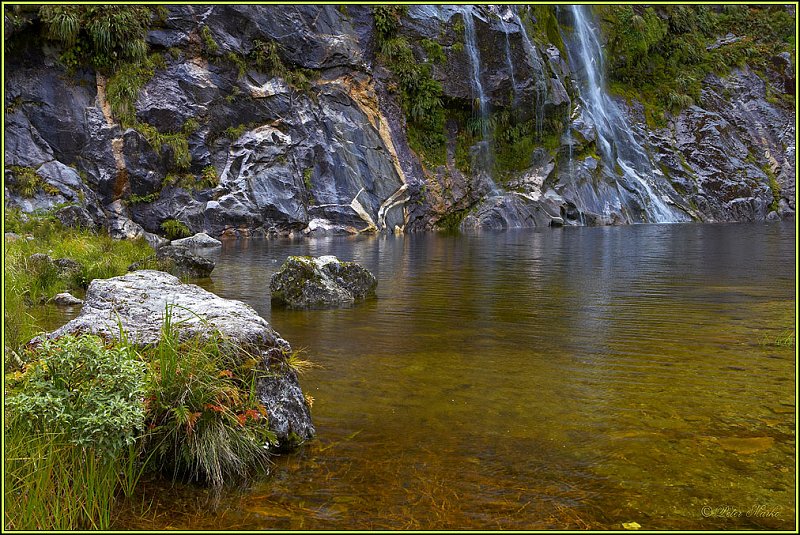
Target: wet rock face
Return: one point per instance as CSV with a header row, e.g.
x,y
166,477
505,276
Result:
x,y
333,155
324,282
137,302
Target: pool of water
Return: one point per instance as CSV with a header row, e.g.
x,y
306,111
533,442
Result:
x,y
537,379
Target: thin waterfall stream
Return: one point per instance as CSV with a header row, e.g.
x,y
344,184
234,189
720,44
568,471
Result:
x,y
484,152
618,147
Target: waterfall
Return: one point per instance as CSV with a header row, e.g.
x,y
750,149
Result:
x,y
618,147
471,46
540,85
510,62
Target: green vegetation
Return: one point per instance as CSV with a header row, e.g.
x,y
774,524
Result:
x,y
513,141
123,89
420,95
111,39
175,229
85,419
660,55
28,283
99,36
266,57
206,421
433,50
773,186
72,415
210,45
544,29
207,179
235,132
26,181
143,199
238,61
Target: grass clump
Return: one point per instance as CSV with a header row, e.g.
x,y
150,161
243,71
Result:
x,y
205,419
210,45
266,57
25,181
99,36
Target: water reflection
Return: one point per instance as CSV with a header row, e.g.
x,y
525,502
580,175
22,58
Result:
x,y
564,378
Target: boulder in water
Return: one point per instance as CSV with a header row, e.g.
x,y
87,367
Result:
x,y
200,240
137,303
66,299
324,282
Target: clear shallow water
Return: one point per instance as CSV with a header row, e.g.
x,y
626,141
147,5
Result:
x,y
564,378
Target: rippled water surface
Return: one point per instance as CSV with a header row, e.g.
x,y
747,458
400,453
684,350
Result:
x,y
564,378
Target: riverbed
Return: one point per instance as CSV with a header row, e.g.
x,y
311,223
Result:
x,y
532,379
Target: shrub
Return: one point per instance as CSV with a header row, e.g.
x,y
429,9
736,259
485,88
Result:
x,y
97,35
73,415
82,388
26,181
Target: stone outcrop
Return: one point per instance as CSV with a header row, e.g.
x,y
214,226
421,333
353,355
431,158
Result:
x,y
137,302
65,299
324,282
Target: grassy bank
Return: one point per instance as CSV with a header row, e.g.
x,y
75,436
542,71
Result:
x,y
85,418
29,283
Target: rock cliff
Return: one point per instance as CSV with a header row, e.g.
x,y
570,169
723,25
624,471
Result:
x,y
247,120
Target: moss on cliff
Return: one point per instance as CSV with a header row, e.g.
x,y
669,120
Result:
x,y
660,55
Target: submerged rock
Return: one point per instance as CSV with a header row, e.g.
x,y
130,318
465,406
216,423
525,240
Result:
x,y
178,261
307,282
137,302
199,240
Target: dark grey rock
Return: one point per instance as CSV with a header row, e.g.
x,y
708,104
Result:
x,y
137,302
67,266
75,217
324,282
178,261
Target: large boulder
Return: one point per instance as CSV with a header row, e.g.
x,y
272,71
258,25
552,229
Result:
x,y
324,282
137,303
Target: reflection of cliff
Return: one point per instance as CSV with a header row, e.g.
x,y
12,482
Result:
x,y
258,120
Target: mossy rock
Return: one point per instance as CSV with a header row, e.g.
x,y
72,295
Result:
x,y
324,282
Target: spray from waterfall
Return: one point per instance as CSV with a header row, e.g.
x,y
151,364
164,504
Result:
x,y
619,149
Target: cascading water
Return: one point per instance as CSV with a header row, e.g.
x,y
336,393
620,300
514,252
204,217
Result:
x,y
539,80
471,46
509,61
618,147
